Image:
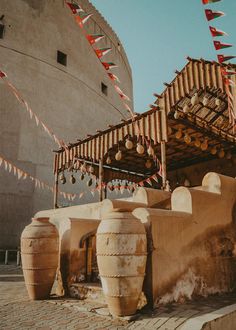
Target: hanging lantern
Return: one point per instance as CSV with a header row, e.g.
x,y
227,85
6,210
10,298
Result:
x,y
62,178
214,150
140,148
128,144
228,155
176,114
72,179
221,153
186,109
187,138
148,164
205,101
150,151
82,177
204,145
217,102
195,99
197,143
179,134
108,160
91,169
90,182
83,168
118,155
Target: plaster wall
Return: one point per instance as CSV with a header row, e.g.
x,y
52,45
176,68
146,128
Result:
x,y
67,98
192,249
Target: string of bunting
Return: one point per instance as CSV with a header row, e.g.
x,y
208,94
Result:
x,y
218,45
23,175
32,115
81,18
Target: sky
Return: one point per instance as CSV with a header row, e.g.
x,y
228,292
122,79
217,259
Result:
x,y
158,35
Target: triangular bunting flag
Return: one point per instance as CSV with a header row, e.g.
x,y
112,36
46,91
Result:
x,y
210,15
81,20
2,74
19,173
36,120
122,94
217,33
219,45
155,178
109,65
9,167
228,73
223,58
113,77
81,195
75,8
93,38
102,52
149,181
205,2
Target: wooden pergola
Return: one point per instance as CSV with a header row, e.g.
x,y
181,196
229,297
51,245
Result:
x,y
189,119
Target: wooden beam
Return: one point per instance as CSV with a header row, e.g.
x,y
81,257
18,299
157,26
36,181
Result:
x,y
163,163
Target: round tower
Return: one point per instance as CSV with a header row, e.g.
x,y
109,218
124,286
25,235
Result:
x,y
48,58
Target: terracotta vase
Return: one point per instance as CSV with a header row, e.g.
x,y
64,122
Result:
x,y
39,253
121,256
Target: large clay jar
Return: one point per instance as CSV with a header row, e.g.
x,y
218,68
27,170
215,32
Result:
x,y
121,256
39,253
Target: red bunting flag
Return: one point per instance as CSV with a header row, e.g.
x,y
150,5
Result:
x,y
217,33
102,52
227,73
213,14
109,65
205,2
122,94
223,58
219,45
113,77
149,181
74,7
2,74
229,82
93,38
81,20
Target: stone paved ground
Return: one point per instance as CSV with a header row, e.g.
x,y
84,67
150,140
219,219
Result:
x,y
17,312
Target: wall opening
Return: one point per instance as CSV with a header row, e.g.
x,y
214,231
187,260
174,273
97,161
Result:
x,y
61,58
104,88
2,28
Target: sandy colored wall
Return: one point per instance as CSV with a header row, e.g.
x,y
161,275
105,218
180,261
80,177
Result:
x,y
68,99
192,248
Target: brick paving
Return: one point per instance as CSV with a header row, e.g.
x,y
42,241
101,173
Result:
x,y
18,312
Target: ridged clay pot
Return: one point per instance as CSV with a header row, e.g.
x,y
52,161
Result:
x,y
39,253
121,256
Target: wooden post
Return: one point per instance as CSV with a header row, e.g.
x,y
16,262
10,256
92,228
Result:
x,y
55,191
101,174
163,163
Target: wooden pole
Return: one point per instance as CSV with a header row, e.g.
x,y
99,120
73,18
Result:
x,y
163,163
101,174
55,191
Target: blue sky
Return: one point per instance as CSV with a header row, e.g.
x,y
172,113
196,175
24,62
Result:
x,y
158,35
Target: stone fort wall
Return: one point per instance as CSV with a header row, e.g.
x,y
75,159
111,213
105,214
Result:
x,y
69,99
